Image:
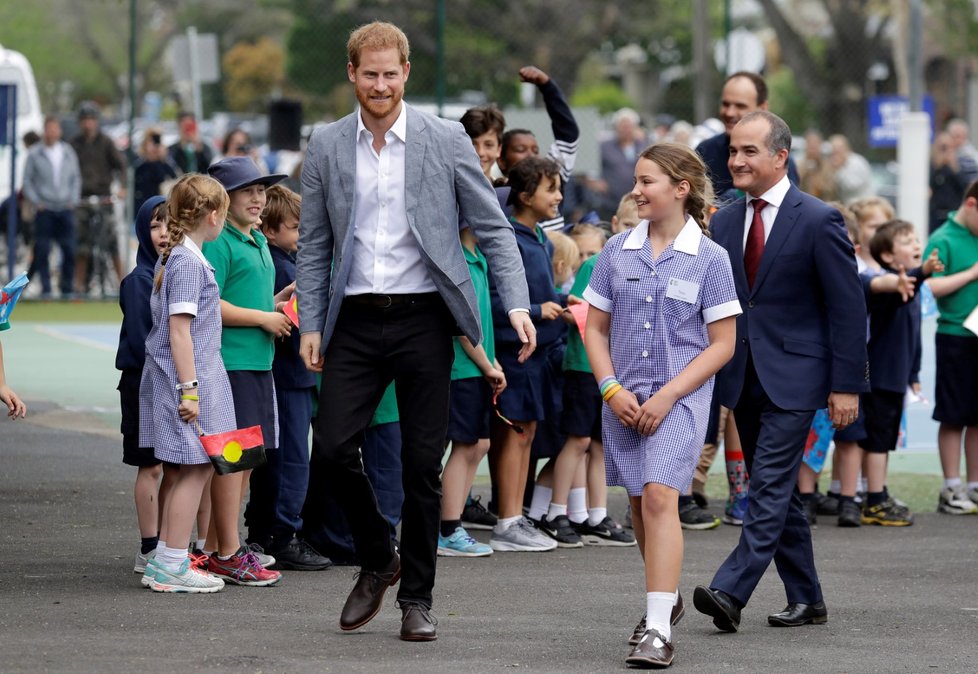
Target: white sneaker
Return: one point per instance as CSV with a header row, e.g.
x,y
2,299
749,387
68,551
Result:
x,y
186,579
973,494
955,501
149,575
521,536
139,566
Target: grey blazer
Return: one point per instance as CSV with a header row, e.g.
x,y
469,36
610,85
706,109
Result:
x,y
443,184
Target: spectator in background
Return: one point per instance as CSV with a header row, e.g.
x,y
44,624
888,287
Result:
x,y
815,171
153,167
947,181
52,183
957,130
238,144
853,174
618,157
190,153
101,164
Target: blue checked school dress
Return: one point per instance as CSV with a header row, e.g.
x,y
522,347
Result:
x,y
188,288
659,313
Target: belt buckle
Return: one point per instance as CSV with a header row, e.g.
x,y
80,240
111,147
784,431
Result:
x,y
387,301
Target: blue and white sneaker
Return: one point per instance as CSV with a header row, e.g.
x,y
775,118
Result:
x,y
460,544
149,573
735,510
185,579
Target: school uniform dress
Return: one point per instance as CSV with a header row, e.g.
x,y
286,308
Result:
x,y
659,312
188,288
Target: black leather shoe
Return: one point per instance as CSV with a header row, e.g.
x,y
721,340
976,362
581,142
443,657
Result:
x,y
367,595
678,611
849,514
718,605
652,650
795,615
299,556
417,624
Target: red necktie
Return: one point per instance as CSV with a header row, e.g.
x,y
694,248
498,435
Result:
x,y
754,247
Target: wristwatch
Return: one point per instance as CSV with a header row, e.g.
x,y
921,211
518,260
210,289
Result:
x,y
187,385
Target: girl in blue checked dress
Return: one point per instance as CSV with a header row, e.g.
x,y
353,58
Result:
x,y
661,324
184,385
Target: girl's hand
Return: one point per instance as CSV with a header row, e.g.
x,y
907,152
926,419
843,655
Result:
x,y
189,410
625,406
653,411
15,406
496,379
550,311
276,323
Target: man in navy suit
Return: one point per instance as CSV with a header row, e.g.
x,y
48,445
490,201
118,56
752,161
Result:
x,y
801,345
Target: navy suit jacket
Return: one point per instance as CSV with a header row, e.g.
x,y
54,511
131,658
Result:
x,y
804,321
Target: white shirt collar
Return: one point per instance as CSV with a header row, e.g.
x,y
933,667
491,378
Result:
x,y
687,241
399,128
776,193
189,244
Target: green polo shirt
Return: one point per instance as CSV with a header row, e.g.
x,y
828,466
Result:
x,y
464,367
958,249
575,357
245,275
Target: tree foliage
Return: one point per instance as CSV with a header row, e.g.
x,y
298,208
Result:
x,y
252,72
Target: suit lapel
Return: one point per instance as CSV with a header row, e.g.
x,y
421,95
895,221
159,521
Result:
x,y
417,137
783,223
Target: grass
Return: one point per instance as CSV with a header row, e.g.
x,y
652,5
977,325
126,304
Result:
x,y
35,311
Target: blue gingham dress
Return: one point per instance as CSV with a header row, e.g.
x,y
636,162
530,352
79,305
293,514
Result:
x,y
188,288
653,338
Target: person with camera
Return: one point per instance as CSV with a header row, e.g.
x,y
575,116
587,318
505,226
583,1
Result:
x,y
153,168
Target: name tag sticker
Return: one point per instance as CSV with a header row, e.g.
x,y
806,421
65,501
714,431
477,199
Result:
x,y
685,291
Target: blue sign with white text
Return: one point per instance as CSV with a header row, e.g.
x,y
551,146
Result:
x,y
885,113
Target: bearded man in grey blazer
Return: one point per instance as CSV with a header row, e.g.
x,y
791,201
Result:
x,y
383,286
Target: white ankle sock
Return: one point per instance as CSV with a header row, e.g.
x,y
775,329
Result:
x,y
171,558
539,502
577,505
200,543
160,547
595,516
502,524
556,510
835,486
658,612
952,482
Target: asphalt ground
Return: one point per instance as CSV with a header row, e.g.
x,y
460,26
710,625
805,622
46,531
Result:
x,y
900,600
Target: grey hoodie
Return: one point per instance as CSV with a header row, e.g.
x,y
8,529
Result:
x,y
39,185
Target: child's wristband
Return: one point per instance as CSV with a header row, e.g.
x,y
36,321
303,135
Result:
x,y
604,382
610,393
607,386
190,397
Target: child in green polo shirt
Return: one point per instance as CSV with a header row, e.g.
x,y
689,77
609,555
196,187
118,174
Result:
x,y
245,275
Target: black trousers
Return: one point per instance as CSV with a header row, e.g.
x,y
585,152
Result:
x,y
410,343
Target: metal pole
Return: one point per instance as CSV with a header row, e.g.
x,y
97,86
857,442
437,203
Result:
x,y
914,57
727,28
195,72
440,59
12,206
130,216
701,86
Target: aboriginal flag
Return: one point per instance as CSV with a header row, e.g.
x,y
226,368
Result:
x,y
235,451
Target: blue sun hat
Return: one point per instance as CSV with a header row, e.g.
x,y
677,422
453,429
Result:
x,y
237,173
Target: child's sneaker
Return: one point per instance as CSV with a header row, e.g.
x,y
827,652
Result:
x,y
521,536
736,508
972,494
139,566
258,551
243,568
198,559
475,515
460,544
605,532
955,501
185,579
149,574
887,514
691,516
561,530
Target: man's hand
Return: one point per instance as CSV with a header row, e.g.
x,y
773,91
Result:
x,y
843,408
309,343
533,75
525,330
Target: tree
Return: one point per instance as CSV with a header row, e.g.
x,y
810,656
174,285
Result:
x,y
252,71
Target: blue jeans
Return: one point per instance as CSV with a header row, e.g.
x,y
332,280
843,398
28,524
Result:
x,y
59,226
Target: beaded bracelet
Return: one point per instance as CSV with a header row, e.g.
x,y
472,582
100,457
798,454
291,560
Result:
x,y
190,397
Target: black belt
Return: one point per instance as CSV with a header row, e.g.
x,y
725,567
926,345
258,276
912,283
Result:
x,y
388,301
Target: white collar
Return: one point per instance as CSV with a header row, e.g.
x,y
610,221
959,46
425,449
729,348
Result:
x,y
398,128
687,241
776,193
189,244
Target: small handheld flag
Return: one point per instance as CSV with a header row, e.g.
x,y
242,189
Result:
x,y
291,309
234,451
9,295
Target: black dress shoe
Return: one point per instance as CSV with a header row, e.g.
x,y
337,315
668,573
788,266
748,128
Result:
x,y
849,514
652,650
678,611
417,624
795,615
299,556
718,605
367,595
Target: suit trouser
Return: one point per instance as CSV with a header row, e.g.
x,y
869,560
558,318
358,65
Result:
x,y
775,526
411,344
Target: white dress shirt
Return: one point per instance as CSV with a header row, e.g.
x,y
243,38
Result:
x,y
774,196
386,259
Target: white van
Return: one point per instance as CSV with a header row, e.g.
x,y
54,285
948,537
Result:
x,y
16,69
